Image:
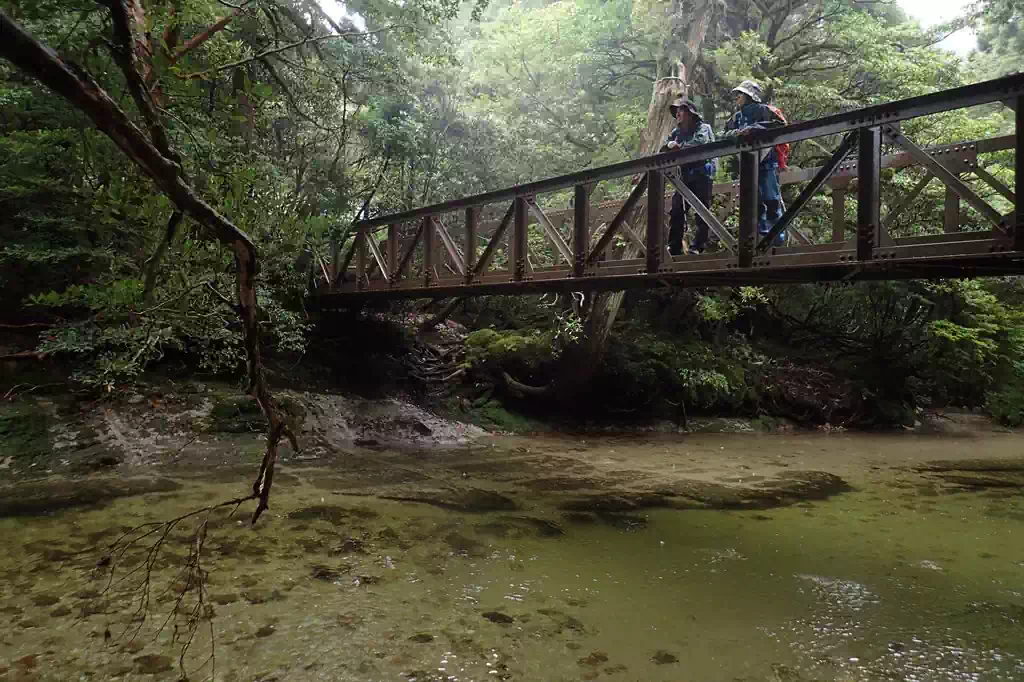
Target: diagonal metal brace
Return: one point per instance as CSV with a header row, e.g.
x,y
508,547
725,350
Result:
x,y
549,229
948,178
618,220
847,145
449,245
379,257
702,210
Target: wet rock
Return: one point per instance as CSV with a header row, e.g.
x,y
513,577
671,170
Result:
x,y
664,658
461,499
625,522
463,546
152,664
135,646
39,497
520,526
615,502
349,546
367,580
265,631
60,612
328,574
262,596
333,514
44,600
422,638
594,658
498,617
224,599
574,624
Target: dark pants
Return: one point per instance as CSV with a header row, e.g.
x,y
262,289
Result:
x,y
700,185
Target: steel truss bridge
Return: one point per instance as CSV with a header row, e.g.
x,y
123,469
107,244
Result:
x,y
449,249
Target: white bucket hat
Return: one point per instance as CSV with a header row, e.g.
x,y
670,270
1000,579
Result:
x,y
750,89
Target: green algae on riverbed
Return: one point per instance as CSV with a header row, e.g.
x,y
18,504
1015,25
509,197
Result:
x,y
908,577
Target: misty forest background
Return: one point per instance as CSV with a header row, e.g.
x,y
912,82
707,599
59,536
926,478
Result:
x,y
288,122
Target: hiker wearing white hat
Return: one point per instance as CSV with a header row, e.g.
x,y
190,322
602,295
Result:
x,y
690,131
753,114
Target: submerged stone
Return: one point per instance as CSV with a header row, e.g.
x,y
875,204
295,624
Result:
x,y
498,617
39,497
594,658
265,631
153,664
664,658
422,638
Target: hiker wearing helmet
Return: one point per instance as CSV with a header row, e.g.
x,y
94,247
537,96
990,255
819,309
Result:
x,y
753,114
690,131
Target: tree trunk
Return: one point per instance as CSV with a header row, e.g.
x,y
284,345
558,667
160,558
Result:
x,y
581,360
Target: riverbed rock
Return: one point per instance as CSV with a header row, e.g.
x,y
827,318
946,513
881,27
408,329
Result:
x,y
977,474
39,497
422,638
594,658
498,617
459,499
664,658
153,664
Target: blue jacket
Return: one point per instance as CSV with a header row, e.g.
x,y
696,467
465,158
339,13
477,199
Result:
x,y
755,115
702,134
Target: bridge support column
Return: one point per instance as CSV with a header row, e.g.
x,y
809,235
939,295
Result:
x,y
469,250
655,220
1018,227
361,257
868,196
520,246
750,207
429,250
951,212
393,246
580,229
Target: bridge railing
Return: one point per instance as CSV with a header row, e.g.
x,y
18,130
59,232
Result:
x,y
441,243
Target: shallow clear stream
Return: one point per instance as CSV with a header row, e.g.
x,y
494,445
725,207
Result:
x,y
894,581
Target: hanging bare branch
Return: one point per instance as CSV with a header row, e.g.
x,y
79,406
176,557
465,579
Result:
x,y
78,87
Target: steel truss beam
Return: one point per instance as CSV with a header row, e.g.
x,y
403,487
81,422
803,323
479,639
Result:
x,y
892,112
816,183
948,178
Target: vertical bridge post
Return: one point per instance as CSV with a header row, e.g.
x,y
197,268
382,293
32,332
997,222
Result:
x,y
360,248
580,229
868,197
750,206
1018,227
655,219
469,250
429,252
520,246
393,248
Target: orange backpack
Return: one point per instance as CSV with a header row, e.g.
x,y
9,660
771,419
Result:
x,y
781,150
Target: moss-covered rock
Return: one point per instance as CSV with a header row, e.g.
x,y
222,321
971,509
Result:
x,y
242,414
24,431
45,496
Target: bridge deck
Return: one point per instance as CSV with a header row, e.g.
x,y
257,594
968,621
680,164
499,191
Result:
x,y
424,255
